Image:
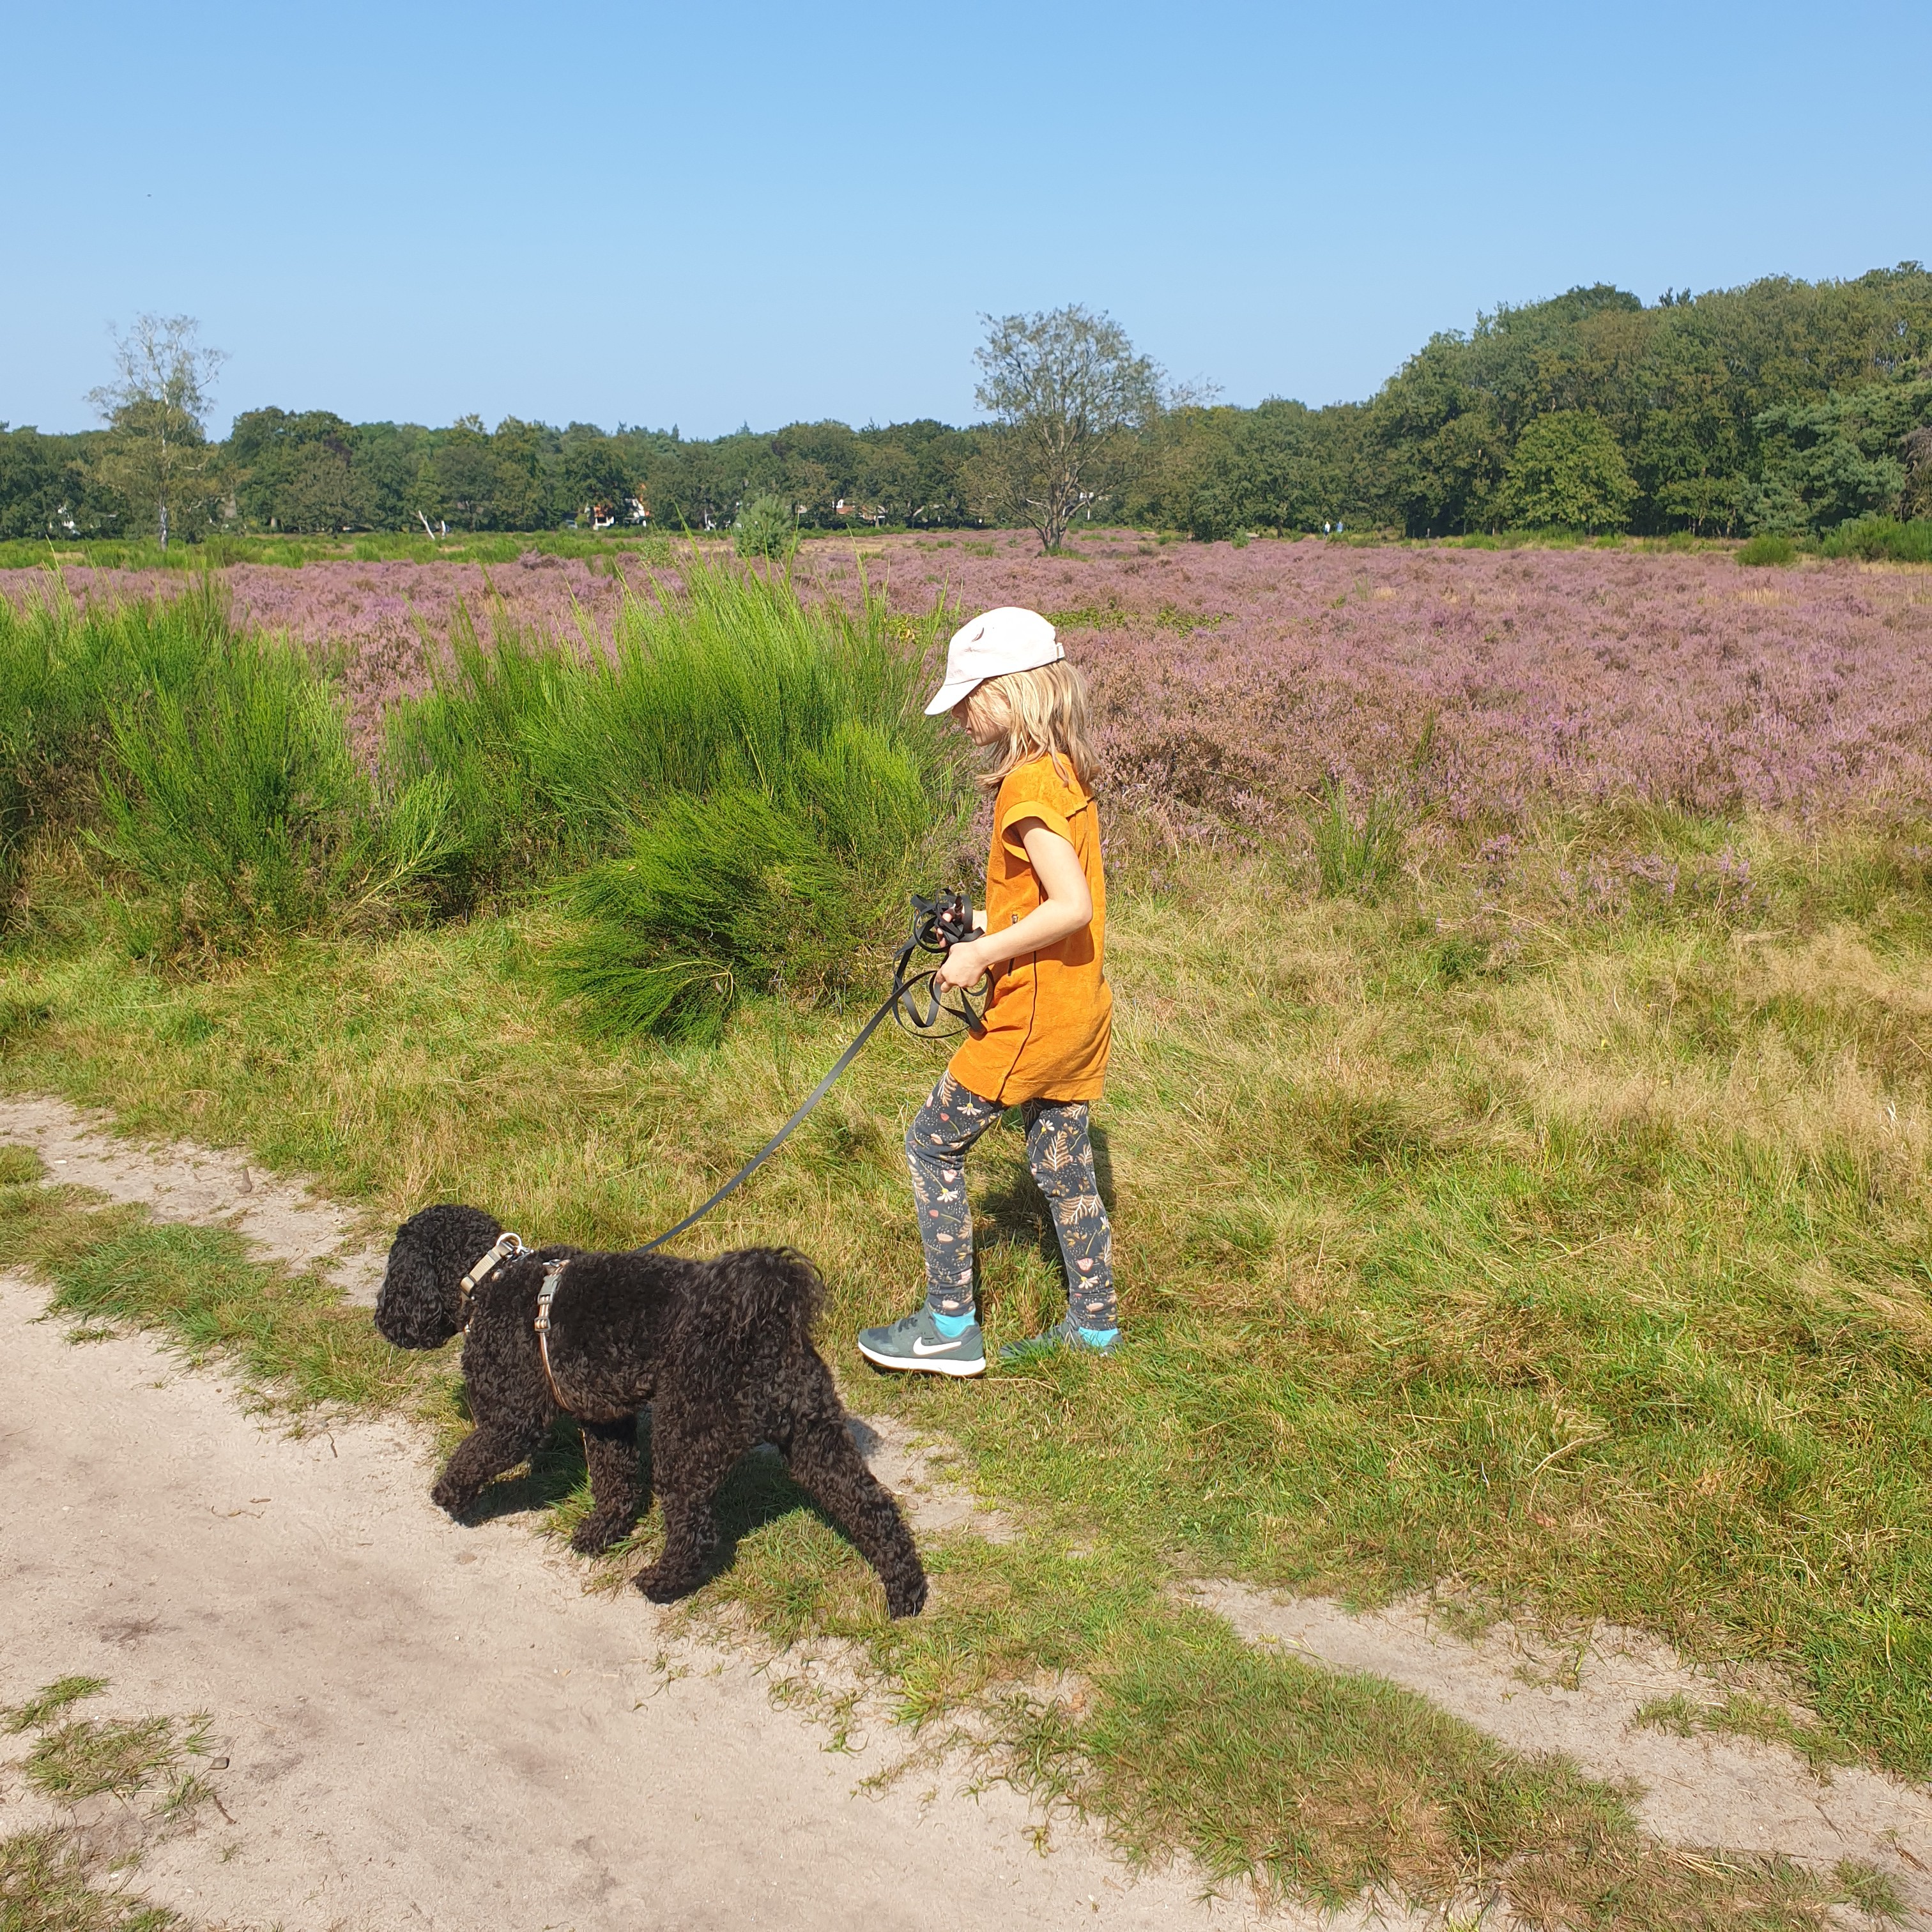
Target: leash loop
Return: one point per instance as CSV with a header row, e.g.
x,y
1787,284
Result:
x,y
938,924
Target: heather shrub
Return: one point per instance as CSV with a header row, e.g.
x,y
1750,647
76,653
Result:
x,y
1768,549
1883,539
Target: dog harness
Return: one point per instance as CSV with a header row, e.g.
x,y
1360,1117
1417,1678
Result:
x,y
508,1246
553,1277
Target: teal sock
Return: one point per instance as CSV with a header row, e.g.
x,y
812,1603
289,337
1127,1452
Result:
x,y
1099,1338
952,1326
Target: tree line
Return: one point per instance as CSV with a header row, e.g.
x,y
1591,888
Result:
x,y
1783,407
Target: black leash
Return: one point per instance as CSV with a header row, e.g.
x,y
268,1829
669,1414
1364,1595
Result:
x,y
938,925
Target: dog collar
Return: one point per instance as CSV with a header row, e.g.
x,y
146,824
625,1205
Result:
x,y
506,1247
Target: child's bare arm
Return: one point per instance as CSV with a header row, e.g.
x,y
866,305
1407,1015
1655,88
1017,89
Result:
x,y
1065,905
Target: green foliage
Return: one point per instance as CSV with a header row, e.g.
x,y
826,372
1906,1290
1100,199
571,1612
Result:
x,y
1566,472
474,735
1883,539
210,765
765,527
1775,550
1358,856
1840,458
233,797
775,787
213,769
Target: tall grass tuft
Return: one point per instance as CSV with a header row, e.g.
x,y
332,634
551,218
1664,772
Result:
x,y
475,732
773,788
1357,857
62,667
211,767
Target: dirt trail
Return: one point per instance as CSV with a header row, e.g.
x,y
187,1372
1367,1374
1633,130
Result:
x,y
175,1180
432,1725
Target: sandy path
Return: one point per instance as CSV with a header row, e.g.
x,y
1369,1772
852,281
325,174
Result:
x,y
429,1725
175,1180
433,1725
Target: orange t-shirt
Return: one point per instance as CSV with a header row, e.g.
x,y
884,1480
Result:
x,y
1049,1018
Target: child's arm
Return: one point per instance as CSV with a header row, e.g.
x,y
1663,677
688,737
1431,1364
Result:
x,y
1065,905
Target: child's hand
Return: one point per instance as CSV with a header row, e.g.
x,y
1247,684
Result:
x,y
961,968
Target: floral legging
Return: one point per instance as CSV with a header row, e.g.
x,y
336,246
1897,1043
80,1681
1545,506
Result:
x,y
1062,1160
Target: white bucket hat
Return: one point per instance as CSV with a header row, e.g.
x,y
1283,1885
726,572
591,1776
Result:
x,y
995,643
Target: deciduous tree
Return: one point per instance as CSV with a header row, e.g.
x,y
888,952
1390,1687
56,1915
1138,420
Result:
x,y
1067,396
157,454
1568,473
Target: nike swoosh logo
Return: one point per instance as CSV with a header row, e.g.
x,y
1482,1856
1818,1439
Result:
x,y
918,1347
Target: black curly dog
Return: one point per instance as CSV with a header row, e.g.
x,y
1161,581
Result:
x,y
721,1350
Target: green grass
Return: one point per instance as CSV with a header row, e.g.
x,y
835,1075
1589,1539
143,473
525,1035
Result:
x,y
48,1882
57,1878
1569,1253
749,779
1738,1715
1775,551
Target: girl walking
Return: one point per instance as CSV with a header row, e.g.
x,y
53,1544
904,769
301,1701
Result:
x,y
1044,1048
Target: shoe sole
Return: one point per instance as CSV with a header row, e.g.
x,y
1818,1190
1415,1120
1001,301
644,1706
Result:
x,y
927,1365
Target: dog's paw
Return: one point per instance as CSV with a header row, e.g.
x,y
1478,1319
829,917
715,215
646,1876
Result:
x,y
662,1589
908,1601
448,1496
596,1534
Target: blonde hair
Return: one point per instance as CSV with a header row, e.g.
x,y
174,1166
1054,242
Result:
x,y
1046,717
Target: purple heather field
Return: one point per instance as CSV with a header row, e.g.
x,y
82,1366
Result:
x,y
1232,680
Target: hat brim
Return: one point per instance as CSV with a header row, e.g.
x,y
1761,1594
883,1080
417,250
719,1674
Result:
x,y
950,693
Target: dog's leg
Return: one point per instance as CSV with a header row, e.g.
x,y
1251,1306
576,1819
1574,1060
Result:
x,y
493,1447
616,1486
688,1463
826,1465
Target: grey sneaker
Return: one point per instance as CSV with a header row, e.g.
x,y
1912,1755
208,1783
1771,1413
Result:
x,y
914,1342
1065,1333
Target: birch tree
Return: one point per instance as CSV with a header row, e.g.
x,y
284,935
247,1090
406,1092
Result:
x,y
158,455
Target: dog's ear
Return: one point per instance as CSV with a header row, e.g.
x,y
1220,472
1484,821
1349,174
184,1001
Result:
x,y
414,1310
432,1252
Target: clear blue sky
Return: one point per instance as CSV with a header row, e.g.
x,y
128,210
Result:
x,y
761,213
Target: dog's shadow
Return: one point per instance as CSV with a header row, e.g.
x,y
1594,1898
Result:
x,y
759,1490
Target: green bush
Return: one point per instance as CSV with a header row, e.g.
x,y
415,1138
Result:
x,y
775,788
1883,539
475,729
236,801
765,527
211,766
1775,551
62,668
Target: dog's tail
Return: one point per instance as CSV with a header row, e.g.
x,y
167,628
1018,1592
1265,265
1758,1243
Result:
x,y
769,1287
